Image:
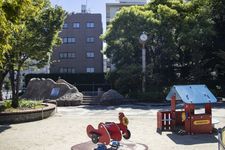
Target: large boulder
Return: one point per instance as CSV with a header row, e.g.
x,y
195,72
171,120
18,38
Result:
x,y
39,89
111,97
70,85
47,89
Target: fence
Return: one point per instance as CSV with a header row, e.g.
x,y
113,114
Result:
x,y
163,121
221,138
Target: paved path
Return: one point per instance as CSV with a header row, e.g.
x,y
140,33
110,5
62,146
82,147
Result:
x,y
68,127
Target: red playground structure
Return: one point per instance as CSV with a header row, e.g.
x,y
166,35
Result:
x,y
109,131
188,119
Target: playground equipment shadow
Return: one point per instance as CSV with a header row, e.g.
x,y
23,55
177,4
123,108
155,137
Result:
x,y
192,139
143,106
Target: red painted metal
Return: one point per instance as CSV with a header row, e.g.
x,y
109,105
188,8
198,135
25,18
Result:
x,y
179,121
192,123
110,130
102,131
163,121
114,131
201,123
159,121
208,108
173,103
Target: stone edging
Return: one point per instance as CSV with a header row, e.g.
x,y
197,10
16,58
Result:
x,y
27,115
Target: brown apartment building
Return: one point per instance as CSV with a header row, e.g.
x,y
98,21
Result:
x,y
80,51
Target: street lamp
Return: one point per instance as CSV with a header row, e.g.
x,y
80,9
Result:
x,y
143,38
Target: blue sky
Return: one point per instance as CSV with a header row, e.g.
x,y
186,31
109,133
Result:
x,y
95,6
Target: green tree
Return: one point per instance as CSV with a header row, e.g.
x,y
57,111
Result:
x,y
123,47
34,43
216,57
13,14
178,32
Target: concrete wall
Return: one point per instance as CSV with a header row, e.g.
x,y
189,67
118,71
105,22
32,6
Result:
x,y
26,116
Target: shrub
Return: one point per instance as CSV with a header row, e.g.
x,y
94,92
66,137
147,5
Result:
x,y
29,104
24,104
7,104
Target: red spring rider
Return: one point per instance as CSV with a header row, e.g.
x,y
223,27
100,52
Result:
x,y
109,131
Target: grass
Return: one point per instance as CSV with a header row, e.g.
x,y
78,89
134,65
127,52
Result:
x,y
23,105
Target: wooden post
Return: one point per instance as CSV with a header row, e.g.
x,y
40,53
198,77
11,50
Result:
x,y
173,111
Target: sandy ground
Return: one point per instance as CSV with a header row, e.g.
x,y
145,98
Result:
x,y
68,127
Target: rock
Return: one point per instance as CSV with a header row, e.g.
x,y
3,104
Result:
x,y
70,85
50,101
47,89
60,103
71,95
39,89
111,97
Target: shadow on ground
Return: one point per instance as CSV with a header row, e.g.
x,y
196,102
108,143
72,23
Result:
x,y
4,127
144,106
128,146
132,106
192,139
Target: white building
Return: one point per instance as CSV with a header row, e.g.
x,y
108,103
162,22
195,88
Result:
x,y
113,8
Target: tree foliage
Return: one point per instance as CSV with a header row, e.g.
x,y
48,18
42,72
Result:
x,y
217,61
33,43
179,46
13,14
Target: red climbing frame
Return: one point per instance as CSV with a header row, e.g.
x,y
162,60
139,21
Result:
x,y
192,123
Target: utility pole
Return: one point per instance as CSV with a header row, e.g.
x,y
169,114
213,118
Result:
x,y
143,38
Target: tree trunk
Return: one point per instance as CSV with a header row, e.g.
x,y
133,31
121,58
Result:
x,y
2,77
15,102
17,86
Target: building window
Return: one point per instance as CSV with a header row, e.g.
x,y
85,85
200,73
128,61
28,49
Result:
x,y
65,40
67,70
66,55
90,54
62,55
90,25
71,55
76,25
69,40
108,14
61,70
90,39
65,26
90,70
